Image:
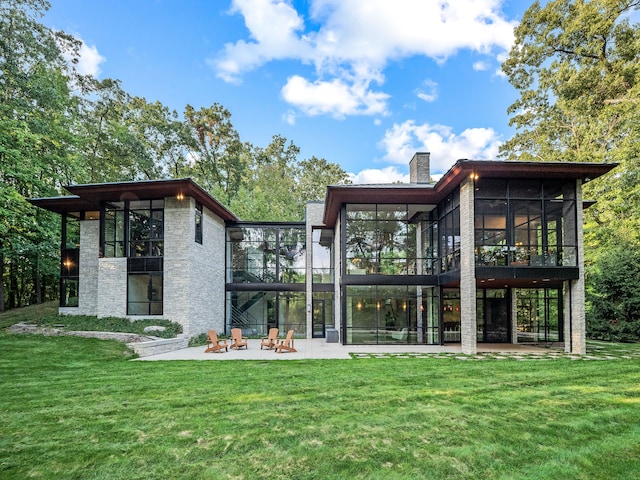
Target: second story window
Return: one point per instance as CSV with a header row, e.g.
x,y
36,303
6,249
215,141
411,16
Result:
x,y
198,220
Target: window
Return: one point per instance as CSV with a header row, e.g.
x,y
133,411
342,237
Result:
x,y
383,239
322,255
70,261
266,254
198,220
144,286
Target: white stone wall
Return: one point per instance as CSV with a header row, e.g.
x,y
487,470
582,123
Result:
x,y
88,273
468,335
112,291
574,310
194,276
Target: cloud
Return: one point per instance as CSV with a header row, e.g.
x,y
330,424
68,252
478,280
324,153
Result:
x,y
401,141
480,66
89,60
351,42
428,92
383,175
336,97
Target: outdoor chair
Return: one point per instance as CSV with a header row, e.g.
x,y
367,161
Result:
x,y
237,340
271,340
215,345
286,344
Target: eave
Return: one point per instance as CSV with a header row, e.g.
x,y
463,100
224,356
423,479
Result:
x,y
417,193
90,197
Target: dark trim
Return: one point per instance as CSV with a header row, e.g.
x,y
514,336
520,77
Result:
x,y
528,273
409,280
265,287
323,287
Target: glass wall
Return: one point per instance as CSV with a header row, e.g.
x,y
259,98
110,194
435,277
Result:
x,y
539,313
449,233
70,260
451,314
525,223
322,255
383,239
255,312
493,315
266,254
388,314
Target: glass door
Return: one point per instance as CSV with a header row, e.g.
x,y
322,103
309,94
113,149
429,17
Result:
x,y
318,320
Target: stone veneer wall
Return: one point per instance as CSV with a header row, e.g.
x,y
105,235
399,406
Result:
x,y
574,295
112,279
88,273
467,270
313,218
194,274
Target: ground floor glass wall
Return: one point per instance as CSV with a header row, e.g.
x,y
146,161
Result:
x,y
255,312
539,314
388,314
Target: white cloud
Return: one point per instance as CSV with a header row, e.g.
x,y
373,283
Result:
x,y
351,42
480,66
401,141
383,175
428,92
88,61
289,117
334,97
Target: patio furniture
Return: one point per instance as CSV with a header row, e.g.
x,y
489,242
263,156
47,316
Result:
x,y
286,344
271,340
215,345
237,340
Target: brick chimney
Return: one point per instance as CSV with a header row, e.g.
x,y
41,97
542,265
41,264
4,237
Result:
x,y
419,171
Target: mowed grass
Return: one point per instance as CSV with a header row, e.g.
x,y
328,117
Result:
x,y
76,408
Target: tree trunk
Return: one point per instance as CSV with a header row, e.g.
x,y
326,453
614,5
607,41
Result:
x,y
2,306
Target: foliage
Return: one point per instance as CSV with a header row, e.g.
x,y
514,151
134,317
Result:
x,y
575,65
110,324
78,409
58,127
614,296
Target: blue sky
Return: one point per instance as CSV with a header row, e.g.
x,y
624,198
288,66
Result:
x,y
361,83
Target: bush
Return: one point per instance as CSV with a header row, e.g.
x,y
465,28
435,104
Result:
x,y
613,295
111,324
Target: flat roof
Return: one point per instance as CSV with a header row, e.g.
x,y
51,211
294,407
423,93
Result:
x,y
90,196
420,193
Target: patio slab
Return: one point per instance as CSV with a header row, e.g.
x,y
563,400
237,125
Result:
x,y
320,349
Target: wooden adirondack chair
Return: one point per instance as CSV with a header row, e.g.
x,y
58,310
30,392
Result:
x,y
271,340
286,344
215,345
237,340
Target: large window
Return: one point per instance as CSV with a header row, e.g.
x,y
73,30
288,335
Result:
x,y
525,223
388,314
266,254
449,233
70,261
255,312
383,239
322,255
539,315
135,229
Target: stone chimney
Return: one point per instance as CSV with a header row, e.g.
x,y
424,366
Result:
x,y
419,171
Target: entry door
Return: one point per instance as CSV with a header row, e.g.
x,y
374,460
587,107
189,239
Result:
x,y
496,320
318,319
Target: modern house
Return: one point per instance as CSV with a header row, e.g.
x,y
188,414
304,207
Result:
x,y
492,252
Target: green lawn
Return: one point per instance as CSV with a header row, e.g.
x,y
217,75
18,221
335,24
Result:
x,y
76,408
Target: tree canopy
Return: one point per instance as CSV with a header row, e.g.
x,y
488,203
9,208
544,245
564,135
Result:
x,y
58,127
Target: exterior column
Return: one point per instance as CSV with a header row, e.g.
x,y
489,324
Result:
x,y
574,312
468,335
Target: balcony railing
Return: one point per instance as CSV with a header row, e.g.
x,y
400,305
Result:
x,y
517,256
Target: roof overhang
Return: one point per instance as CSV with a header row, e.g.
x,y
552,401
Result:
x,y
417,193
90,197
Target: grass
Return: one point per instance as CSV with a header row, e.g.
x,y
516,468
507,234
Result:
x,y
76,408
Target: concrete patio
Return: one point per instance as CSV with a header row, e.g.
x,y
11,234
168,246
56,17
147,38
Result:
x,y
320,349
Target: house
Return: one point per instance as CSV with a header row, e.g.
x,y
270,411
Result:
x,y
492,252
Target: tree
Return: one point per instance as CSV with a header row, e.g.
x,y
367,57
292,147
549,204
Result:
x,y
217,154
614,296
576,66
37,115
